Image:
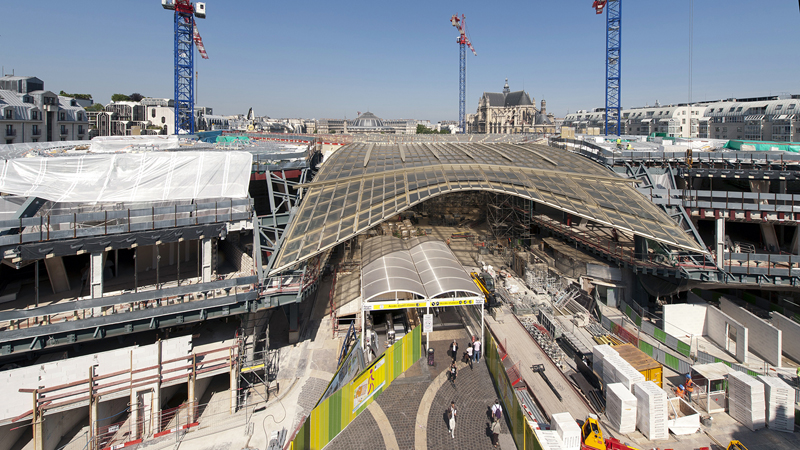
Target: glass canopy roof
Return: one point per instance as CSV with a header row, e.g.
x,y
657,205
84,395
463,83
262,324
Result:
x,y
423,266
364,184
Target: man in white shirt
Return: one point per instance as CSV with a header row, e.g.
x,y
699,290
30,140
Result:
x,y
476,354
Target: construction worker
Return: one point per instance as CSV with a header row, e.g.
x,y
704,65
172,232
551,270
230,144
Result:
x,y
679,391
689,388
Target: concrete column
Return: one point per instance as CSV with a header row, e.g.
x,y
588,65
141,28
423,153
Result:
x,y
96,274
192,397
38,424
134,415
206,257
719,237
57,274
92,408
155,414
234,386
94,419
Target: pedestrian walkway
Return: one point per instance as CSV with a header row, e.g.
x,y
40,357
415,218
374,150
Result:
x,y
411,413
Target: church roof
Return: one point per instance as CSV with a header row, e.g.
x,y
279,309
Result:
x,y
507,98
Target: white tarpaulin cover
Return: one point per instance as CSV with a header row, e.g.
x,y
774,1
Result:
x,y
129,177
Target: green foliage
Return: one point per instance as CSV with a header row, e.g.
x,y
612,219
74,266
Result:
x,y
136,97
422,129
95,107
78,96
120,98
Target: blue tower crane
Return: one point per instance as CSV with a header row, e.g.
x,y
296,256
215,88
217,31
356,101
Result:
x,y
186,35
463,42
613,68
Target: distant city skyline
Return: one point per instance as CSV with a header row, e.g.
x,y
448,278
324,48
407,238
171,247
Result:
x,y
331,60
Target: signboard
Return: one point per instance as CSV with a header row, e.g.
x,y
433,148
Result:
x,y
353,364
377,306
427,323
368,383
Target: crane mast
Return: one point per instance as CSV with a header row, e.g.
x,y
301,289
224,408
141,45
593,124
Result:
x,y
613,68
463,41
186,36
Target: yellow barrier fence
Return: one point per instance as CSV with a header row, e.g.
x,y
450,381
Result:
x,y
333,414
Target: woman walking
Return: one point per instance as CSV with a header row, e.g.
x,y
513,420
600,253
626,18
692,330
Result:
x,y
495,432
452,422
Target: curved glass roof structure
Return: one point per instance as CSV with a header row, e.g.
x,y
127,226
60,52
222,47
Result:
x,y
424,267
364,184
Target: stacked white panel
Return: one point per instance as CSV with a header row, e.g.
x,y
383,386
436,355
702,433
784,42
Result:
x,y
568,430
610,364
746,401
599,353
628,376
549,439
621,408
780,404
651,411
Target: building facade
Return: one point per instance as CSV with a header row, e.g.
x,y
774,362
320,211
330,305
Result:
x,y
754,119
28,113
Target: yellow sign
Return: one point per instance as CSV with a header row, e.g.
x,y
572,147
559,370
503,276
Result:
x,y
421,304
368,383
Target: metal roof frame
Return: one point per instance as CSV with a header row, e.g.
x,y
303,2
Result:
x,y
362,185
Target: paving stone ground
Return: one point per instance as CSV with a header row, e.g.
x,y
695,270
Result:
x,y
473,393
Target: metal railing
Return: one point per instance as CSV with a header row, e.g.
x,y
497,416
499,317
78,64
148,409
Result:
x,y
70,226
728,200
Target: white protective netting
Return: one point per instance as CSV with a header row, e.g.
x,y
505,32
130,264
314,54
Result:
x,y
129,177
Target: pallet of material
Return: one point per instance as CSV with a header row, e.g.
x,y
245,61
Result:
x,y
780,404
651,411
621,408
599,353
549,439
746,401
568,430
610,364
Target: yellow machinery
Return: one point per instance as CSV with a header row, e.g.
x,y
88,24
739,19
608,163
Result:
x,y
485,283
592,435
736,445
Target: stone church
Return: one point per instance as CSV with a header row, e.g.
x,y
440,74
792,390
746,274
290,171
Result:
x,y
510,112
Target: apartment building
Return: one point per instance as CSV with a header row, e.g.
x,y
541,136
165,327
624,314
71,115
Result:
x,y
40,116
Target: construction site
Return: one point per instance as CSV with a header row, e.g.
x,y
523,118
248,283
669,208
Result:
x,y
210,290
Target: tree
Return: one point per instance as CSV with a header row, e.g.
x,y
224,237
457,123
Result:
x,y
95,107
78,96
422,129
120,98
136,97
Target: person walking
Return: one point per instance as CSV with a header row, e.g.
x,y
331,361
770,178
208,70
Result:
x,y
476,353
453,373
469,356
454,350
451,414
495,427
497,410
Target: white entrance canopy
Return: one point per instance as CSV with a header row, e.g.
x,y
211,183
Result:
x,y
417,273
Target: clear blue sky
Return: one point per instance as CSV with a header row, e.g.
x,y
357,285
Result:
x,y
327,59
